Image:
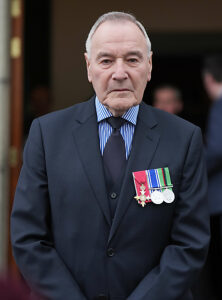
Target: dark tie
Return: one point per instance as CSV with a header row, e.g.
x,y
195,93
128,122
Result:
x,y
114,155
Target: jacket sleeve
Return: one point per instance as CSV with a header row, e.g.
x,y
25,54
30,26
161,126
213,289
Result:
x,y
31,236
183,258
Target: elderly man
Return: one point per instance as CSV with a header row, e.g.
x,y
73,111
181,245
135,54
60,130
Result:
x,y
110,203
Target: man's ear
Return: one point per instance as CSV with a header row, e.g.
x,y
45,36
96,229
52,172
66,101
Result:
x,y
150,66
88,66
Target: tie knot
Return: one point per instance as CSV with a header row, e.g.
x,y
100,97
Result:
x,y
116,122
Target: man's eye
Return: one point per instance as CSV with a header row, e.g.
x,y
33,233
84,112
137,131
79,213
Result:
x,y
106,61
132,60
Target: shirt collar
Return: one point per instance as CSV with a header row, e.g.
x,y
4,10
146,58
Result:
x,y
103,113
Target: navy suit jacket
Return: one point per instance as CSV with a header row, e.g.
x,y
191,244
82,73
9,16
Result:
x,y
214,157
64,241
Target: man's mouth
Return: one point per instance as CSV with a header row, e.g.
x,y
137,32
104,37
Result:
x,y
119,90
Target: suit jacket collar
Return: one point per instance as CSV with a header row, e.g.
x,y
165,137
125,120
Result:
x,y
145,113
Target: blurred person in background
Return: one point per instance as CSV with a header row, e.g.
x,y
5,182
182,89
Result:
x,y
212,79
40,103
168,98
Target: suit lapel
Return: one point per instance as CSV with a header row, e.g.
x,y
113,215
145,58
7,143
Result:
x,y
145,142
87,142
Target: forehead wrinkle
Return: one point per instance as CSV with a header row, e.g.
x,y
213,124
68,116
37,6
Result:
x,y
110,33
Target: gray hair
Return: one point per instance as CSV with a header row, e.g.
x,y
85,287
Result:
x,y
116,16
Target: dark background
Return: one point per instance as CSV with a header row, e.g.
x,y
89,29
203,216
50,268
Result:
x,y
177,60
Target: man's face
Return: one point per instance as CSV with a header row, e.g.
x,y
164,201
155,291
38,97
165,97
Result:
x,y
119,67
167,100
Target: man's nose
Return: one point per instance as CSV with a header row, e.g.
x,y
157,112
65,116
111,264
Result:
x,y
119,72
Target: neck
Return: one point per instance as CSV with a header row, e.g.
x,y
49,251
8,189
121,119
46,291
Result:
x,y
116,113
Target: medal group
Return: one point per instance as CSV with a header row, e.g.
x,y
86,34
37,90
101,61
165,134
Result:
x,y
153,186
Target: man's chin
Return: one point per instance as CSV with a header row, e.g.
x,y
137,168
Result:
x,y
121,94
119,106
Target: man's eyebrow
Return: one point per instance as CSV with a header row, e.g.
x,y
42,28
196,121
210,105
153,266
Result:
x,y
103,54
107,54
135,53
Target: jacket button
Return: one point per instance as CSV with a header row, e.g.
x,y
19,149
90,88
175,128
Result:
x,y
113,195
110,252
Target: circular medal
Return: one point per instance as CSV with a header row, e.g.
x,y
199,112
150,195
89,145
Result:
x,y
168,196
157,197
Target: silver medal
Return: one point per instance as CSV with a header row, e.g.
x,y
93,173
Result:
x,y
157,197
168,196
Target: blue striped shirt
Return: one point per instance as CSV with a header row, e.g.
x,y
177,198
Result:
x,y
126,130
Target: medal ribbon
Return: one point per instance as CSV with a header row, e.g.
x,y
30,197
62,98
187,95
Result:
x,y
162,178
168,179
153,179
139,179
159,179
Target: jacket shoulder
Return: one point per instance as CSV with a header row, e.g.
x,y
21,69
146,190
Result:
x,y
69,112
168,121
